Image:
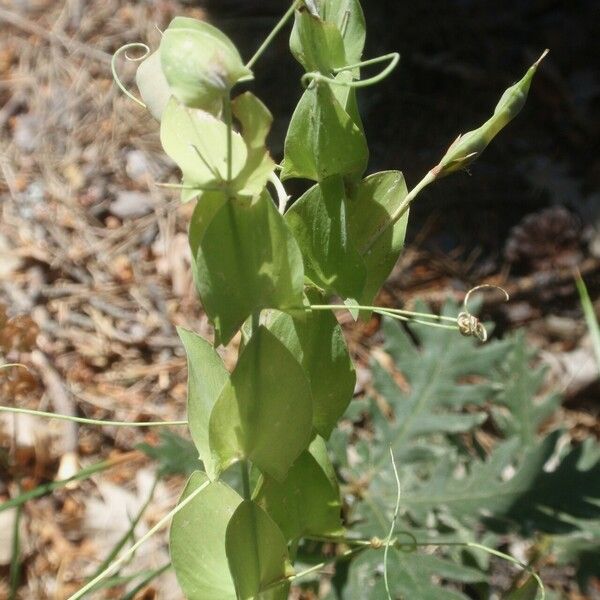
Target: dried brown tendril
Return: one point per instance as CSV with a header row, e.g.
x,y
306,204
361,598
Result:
x,y
469,324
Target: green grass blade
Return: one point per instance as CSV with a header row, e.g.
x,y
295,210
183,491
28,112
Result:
x,y
590,316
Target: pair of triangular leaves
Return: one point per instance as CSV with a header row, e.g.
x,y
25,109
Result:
x,y
245,259
307,501
325,135
323,139
332,38
334,227
254,414
199,143
196,63
242,554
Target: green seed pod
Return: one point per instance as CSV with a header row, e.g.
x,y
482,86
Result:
x,y
200,63
469,146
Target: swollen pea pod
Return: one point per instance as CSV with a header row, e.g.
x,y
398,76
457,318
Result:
x,y
469,146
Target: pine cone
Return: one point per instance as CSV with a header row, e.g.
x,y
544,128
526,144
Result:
x,y
545,240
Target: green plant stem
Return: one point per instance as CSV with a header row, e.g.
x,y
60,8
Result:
x,y
145,581
395,311
129,534
229,122
278,27
376,543
130,551
245,466
85,421
48,488
282,196
402,209
392,526
345,555
15,562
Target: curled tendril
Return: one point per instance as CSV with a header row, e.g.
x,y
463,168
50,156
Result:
x,y
469,324
113,67
315,76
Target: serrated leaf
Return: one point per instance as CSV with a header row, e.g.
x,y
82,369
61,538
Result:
x,y
317,341
306,502
411,575
322,139
370,207
200,63
153,86
246,259
319,223
197,540
257,554
580,549
520,413
197,142
207,377
261,416
175,455
435,396
316,44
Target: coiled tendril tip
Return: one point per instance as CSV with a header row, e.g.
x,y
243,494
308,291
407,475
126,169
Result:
x,y
469,324
113,66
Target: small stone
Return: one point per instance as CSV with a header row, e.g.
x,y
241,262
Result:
x,y
131,205
136,165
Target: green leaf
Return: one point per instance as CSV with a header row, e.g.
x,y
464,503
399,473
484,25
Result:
x,y
582,550
528,591
319,223
197,142
153,86
207,377
256,121
519,413
317,45
468,147
197,540
349,19
435,395
264,413
369,211
317,341
200,63
590,316
246,260
175,455
306,502
322,139
411,575
257,554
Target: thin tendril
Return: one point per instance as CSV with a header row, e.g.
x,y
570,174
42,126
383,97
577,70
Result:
x,y
282,195
130,551
17,365
85,421
113,67
469,324
394,59
278,27
394,313
392,527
